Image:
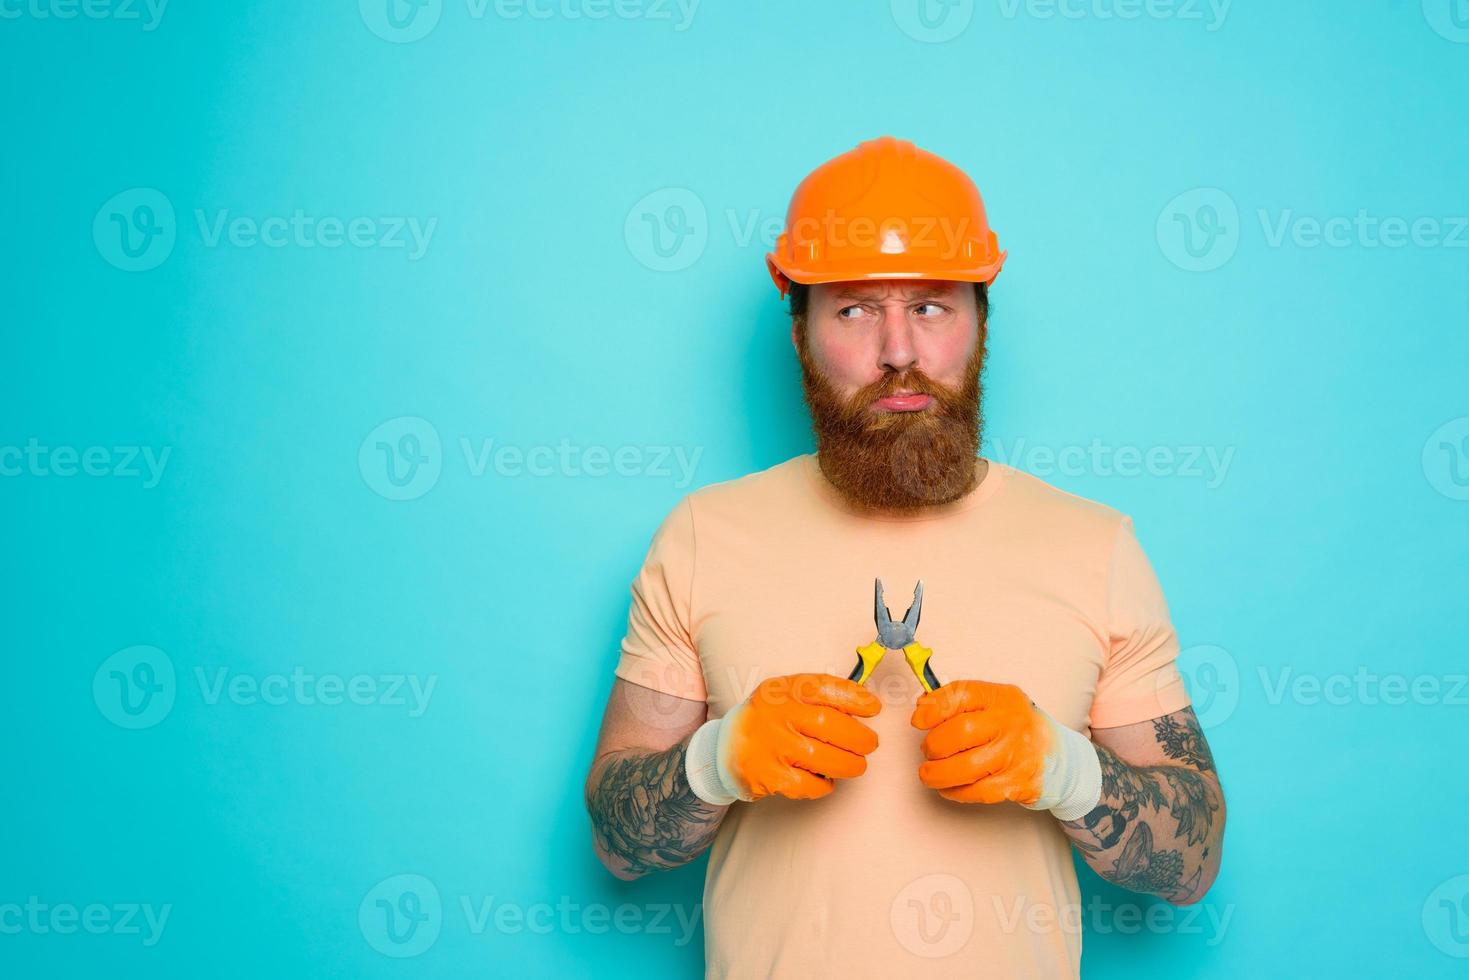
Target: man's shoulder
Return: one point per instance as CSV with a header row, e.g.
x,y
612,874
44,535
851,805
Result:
x,y
739,503
774,484
1059,509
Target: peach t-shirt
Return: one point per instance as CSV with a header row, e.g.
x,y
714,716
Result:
x,y
772,574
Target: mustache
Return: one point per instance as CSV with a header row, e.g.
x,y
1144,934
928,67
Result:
x,y
912,380
855,410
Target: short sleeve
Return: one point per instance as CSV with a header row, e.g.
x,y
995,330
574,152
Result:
x,y
1140,680
658,650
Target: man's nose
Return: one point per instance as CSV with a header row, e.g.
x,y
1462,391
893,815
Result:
x,y
897,352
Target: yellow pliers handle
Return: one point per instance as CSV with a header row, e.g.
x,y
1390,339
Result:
x,y
917,656
868,658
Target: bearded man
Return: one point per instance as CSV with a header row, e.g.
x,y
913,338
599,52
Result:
x,y
1039,708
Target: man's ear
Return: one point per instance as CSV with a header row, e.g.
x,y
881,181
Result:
x,y
796,333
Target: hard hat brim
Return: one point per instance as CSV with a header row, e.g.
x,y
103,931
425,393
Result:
x,y
784,275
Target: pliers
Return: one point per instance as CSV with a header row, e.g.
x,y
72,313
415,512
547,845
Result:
x,y
896,636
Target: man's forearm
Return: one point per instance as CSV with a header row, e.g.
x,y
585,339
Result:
x,y
1156,829
644,816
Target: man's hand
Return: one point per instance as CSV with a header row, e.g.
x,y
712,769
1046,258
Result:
x,y
988,743
793,735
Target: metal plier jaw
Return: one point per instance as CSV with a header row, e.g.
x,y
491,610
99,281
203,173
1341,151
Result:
x,y
895,636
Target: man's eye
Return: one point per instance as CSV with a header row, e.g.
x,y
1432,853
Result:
x,y
849,312
934,308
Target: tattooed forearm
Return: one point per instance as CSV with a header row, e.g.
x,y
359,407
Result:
x,y
644,816
1182,739
1157,829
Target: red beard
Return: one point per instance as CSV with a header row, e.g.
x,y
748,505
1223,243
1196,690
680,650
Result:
x,y
897,460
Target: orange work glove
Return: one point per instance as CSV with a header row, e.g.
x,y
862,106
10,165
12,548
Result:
x,y
793,735
987,743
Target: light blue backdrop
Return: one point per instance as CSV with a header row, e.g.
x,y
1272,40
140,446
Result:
x,y
1234,308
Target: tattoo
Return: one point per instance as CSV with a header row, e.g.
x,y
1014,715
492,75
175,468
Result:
x,y
1142,868
1130,784
1189,803
1106,824
1183,739
1127,837
1126,790
644,812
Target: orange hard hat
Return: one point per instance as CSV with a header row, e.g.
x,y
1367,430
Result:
x,y
885,210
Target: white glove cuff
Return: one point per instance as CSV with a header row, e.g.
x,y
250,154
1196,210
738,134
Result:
x,y
1082,790
701,765
1073,777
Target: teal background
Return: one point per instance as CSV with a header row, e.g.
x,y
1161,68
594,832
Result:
x,y
541,311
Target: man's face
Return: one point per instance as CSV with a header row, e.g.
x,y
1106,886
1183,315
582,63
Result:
x,y
891,371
